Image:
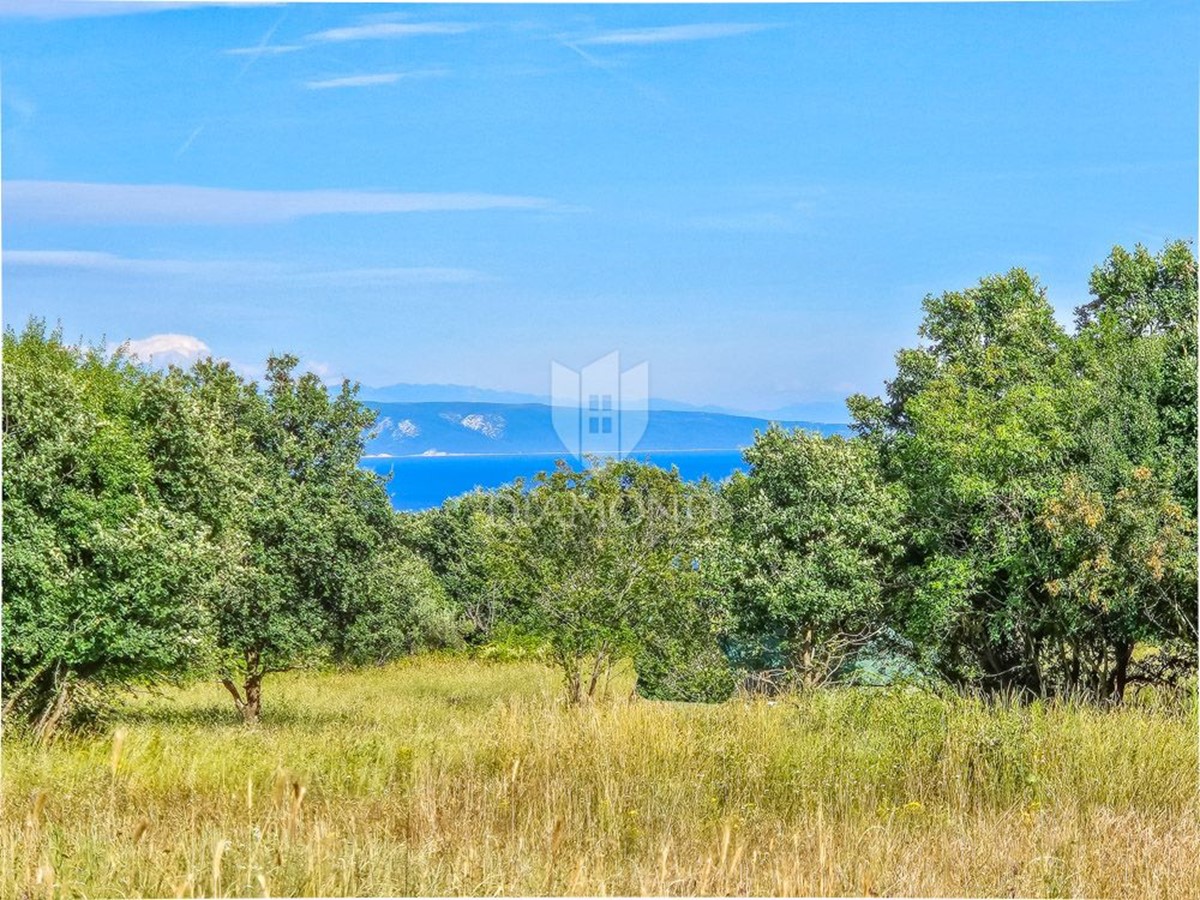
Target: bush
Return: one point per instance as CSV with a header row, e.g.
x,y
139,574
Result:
x,y
412,612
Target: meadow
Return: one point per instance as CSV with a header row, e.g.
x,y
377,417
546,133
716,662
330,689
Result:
x,y
447,775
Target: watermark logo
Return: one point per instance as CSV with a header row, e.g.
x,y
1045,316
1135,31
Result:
x,y
600,409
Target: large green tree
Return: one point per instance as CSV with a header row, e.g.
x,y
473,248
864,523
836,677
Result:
x,y
1136,355
1123,518
975,427
299,524
104,573
1049,478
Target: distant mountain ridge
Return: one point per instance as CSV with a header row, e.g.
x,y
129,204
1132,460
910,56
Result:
x,y
826,412
443,393
472,427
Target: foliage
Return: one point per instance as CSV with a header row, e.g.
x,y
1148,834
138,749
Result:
x,y
103,574
813,531
1050,478
453,539
1016,514
301,526
161,523
603,557
407,611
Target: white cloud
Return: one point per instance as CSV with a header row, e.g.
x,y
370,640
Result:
x,y
672,33
379,30
264,50
164,349
177,204
353,81
97,262
78,9
399,275
369,80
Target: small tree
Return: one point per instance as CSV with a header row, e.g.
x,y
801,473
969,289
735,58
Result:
x,y
453,538
408,611
600,554
813,533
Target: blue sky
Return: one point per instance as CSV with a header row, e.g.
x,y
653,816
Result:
x,y
753,199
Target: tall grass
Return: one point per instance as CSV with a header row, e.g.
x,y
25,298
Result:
x,y
445,776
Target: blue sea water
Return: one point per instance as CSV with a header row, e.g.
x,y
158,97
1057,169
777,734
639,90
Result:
x,y
423,482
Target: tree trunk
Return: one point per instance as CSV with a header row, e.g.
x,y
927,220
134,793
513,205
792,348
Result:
x,y
238,702
1120,674
253,705
596,670
249,703
1074,669
57,706
252,687
574,686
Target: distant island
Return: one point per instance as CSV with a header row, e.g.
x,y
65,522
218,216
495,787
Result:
x,y
467,427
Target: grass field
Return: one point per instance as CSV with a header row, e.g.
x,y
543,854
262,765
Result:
x,y
448,776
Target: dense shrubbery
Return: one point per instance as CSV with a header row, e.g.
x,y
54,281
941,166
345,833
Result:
x,y
1017,513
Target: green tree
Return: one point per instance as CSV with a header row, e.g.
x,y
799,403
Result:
x,y
406,610
453,538
975,428
813,532
297,520
104,576
1137,353
596,558
1128,564
1123,517
1050,479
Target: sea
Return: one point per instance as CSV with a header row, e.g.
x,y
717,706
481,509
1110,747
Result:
x,y
423,482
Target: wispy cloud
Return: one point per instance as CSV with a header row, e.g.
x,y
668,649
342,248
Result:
x,y
176,204
385,30
78,9
264,50
110,263
668,34
351,81
615,70
398,275
195,133
252,54
367,28
101,263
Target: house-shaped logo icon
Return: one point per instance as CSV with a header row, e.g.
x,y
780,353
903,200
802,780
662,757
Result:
x,y
600,409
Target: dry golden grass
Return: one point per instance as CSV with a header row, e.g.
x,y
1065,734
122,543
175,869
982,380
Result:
x,y
446,776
